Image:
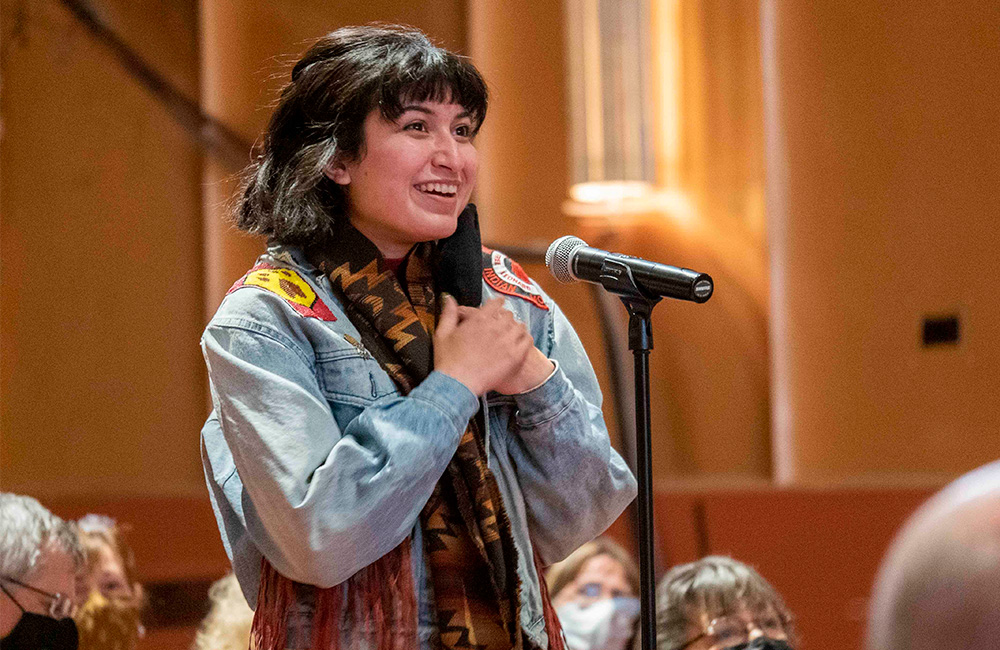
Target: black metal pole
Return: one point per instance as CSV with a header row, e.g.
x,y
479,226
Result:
x,y
640,341
647,578
616,276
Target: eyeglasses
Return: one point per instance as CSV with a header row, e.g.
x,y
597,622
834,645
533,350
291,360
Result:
x,y
595,590
729,631
60,605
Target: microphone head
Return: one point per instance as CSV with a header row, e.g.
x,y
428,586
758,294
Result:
x,y
559,257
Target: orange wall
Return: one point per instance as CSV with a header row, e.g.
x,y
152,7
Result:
x,y
709,367
883,180
101,381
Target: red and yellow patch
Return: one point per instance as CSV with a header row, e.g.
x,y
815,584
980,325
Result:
x,y
506,276
290,286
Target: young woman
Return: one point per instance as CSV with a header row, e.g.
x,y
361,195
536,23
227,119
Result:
x,y
390,469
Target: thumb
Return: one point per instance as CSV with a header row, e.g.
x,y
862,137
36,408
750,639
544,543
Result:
x,y
448,320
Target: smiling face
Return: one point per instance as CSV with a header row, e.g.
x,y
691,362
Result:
x,y
414,176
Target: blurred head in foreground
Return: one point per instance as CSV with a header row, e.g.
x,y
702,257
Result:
x,y
939,584
111,599
40,557
595,592
718,603
227,626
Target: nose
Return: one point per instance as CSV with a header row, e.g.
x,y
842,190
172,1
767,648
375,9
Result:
x,y
445,152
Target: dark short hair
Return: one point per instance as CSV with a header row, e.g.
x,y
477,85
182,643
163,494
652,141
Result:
x,y
715,586
320,115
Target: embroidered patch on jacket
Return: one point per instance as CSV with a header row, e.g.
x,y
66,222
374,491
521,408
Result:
x,y
506,276
290,286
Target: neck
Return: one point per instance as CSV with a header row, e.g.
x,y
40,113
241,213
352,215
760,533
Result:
x,y
10,614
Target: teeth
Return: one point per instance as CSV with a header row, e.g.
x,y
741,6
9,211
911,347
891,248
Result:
x,y
438,188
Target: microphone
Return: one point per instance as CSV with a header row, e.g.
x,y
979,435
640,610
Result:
x,y
569,259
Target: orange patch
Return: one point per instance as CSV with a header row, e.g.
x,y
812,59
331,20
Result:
x,y
290,286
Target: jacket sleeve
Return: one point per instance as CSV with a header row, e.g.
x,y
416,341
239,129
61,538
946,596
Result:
x,y
573,482
326,502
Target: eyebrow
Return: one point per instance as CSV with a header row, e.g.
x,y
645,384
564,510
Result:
x,y
421,109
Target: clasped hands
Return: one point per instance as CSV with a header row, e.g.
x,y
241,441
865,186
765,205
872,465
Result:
x,y
486,348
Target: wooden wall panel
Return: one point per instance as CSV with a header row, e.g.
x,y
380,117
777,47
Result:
x,y
883,181
175,539
820,548
523,177
102,383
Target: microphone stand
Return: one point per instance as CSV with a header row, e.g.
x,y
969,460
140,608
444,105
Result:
x,y
617,278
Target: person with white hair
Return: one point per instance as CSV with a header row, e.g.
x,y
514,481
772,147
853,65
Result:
x,y
939,584
40,557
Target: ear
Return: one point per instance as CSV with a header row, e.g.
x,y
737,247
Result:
x,y
337,172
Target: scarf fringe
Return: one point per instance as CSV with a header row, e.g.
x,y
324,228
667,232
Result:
x,y
382,614
553,629
275,597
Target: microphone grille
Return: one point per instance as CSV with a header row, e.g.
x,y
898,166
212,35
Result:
x,y
559,257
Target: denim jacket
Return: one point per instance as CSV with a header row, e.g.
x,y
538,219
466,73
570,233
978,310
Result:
x,y
315,460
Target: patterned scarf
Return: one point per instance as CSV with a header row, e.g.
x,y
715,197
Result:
x,y
470,550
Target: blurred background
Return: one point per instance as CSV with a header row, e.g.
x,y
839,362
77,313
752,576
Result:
x,y
834,166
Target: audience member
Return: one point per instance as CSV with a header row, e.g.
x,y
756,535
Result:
x,y
939,584
112,599
718,603
594,592
227,626
40,557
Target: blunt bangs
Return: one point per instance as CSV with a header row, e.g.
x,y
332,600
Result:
x,y
445,79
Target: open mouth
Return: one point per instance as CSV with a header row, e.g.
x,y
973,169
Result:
x,y
438,189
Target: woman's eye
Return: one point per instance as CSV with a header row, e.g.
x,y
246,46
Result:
x,y
463,131
415,126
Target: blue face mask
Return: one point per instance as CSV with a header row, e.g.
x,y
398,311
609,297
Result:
x,y
607,624
39,632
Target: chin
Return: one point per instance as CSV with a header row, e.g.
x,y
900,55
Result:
x,y
441,228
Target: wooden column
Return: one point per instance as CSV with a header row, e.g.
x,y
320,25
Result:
x,y
883,172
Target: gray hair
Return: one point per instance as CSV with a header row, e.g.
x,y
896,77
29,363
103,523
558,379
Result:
x,y
26,528
714,586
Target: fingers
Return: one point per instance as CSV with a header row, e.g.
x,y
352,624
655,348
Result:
x,y
464,313
449,316
491,311
484,348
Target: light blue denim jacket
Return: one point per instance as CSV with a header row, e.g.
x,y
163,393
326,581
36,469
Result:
x,y
315,460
